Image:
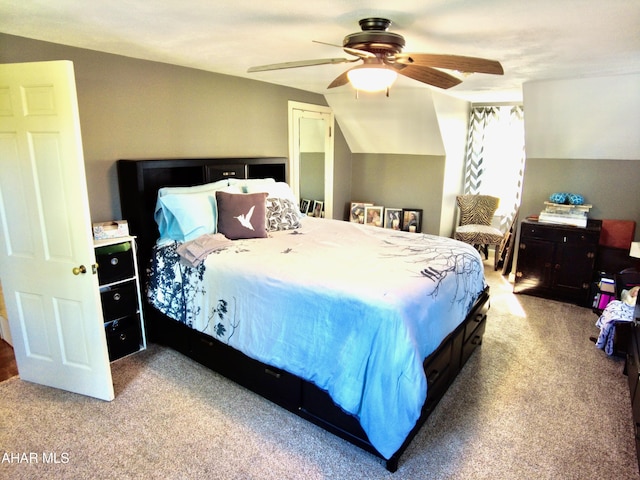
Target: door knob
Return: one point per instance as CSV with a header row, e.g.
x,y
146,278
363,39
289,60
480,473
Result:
x,y
79,270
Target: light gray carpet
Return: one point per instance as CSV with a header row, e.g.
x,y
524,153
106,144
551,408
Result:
x,y
536,401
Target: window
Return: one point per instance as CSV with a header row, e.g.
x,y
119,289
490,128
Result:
x,y
494,162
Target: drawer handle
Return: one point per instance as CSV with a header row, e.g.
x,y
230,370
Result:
x,y
123,336
116,296
268,371
478,318
114,261
433,376
228,174
477,340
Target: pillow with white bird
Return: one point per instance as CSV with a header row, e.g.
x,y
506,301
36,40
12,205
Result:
x,y
242,215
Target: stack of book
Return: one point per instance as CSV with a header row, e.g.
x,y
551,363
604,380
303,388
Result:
x,y
575,215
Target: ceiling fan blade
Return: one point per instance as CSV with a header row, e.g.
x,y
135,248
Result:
x,y
301,63
340,80
428,75
352,51
451,62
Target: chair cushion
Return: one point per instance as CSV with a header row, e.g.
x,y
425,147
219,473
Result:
x,y
478,234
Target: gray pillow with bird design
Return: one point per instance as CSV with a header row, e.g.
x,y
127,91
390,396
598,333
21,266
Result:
x,y
242,215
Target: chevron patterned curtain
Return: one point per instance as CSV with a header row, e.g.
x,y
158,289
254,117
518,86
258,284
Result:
x,y
494,163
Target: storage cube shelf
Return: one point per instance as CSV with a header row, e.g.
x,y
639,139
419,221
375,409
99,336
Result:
x,y
120,296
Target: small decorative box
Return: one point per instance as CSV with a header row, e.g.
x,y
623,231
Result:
x,y
115,229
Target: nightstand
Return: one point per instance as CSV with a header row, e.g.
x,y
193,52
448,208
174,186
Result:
x,y
120,296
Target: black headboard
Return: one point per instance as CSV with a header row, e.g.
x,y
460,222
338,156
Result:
x,y
140,180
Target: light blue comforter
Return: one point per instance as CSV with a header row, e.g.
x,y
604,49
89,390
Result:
x,y
354,309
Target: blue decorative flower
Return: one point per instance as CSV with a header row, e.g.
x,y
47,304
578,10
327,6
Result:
x,y
575,199
560,198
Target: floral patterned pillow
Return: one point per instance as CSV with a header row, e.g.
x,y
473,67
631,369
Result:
x,y
282,214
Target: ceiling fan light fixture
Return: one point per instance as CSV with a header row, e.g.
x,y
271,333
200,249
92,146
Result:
x,y
371,78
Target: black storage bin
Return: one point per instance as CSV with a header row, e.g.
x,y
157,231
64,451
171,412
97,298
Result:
x,y
115,263
123,337
119,300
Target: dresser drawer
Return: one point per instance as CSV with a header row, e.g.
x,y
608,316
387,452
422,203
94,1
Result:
x,y
115,263
559,234
119,300
123,337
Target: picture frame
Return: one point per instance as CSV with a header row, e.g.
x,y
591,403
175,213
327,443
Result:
x,y
393,218
356,213
317,209
412,220
305,203
374,215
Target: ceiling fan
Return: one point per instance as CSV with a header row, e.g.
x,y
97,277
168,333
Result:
x,y
381,54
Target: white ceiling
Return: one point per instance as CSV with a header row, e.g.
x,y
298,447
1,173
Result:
x,y
534,40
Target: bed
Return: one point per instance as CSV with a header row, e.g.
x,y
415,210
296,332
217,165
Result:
x,y
356,328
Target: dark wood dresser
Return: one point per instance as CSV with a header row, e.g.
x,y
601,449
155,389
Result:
x,y
557,261
633,375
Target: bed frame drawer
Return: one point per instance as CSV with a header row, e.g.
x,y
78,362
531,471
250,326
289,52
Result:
x,y
318,406
473,339
473,324
272,383
437,367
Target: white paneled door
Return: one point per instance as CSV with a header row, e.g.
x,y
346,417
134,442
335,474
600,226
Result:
x,y
46,248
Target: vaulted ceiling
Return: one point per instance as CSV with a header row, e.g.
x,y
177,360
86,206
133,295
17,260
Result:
x,y
534,40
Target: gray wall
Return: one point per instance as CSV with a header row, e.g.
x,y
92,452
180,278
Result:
x,y
133,108
401,181
611,186
582,137
137,109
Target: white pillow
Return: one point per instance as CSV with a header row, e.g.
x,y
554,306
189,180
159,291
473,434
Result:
x,y
255,185
275,190
207,187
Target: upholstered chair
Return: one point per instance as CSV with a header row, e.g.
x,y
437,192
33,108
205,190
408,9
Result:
x,y
476,214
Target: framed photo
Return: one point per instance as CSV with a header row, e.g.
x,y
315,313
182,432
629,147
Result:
x,y
373,215
317,210
393,218
356,214
412,220
304,205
